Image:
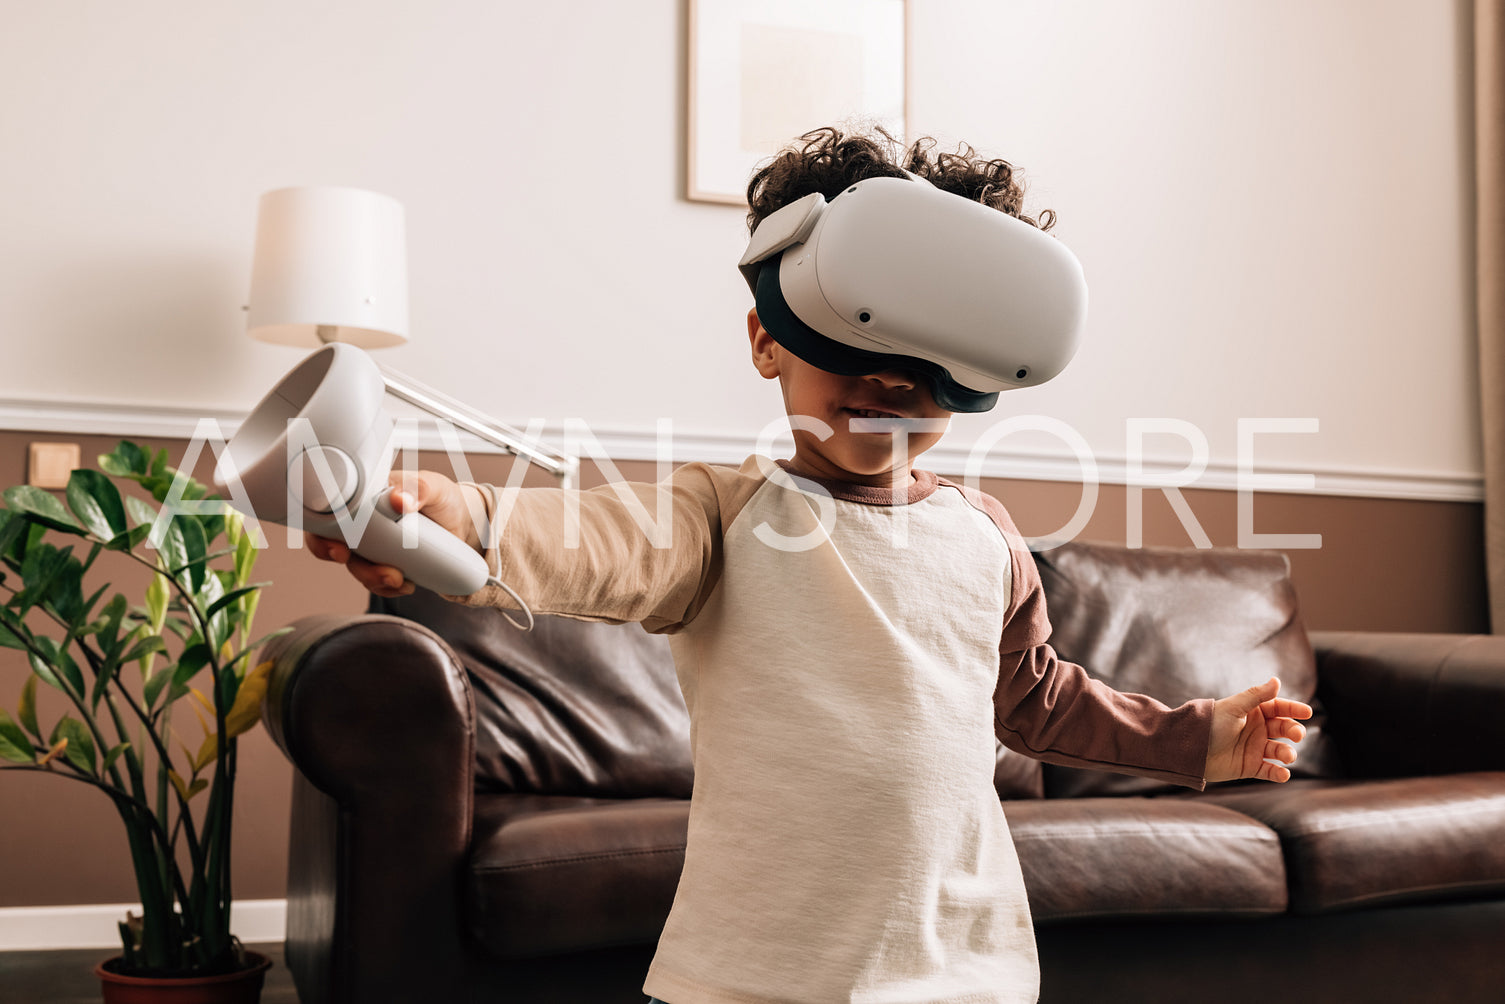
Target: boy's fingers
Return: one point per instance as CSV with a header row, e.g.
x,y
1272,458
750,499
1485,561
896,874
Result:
x,y
325,549
1257,696
1285,728
383,580
1283,752
1286,708
1274,772
411,491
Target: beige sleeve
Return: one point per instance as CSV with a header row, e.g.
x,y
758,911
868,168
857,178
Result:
x,y
622,552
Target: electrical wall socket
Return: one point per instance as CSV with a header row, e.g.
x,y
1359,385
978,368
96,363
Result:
x,y
49,464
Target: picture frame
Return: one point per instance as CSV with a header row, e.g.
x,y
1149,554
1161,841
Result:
x,y
763,72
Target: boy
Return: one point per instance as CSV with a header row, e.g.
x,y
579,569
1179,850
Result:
x,y
845,680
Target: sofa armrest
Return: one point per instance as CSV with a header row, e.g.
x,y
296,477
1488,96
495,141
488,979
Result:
x,y
1413,704
376,714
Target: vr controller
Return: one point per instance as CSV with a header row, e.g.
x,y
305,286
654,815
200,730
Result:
x,y
318,450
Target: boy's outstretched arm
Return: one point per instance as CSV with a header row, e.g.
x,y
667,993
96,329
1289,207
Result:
x,y
1245,727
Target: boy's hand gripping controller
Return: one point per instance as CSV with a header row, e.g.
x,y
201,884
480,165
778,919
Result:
x,y
316,453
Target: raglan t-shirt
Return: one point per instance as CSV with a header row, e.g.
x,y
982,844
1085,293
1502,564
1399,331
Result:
x,y
848,656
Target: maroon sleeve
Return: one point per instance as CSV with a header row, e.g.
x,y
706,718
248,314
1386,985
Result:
x,y
1052,710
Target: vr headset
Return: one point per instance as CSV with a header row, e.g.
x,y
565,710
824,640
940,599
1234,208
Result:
x,y
894,273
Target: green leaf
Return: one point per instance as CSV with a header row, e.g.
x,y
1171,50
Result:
x,y
153,688
141,510
127,459
14,746
131,539
220,625
112,756
195,550
66,599
42,506
27,709
192,660
13,529
144,647
45,672
56,667
172,552
11,631
80,751
103,677
86,610
95,500
245,557
233,595
43,567
158,593
108,625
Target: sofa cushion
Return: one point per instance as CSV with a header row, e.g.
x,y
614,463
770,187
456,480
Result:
x,y
1176,624
1355,844
553,874
1098,858
570,707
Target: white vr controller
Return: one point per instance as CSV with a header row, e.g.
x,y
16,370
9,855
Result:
x,y
317,451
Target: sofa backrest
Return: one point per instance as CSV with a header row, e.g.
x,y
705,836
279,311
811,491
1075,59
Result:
x,y
569,708
1177,624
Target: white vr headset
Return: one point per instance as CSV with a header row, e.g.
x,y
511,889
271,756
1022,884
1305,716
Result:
x,y
894,273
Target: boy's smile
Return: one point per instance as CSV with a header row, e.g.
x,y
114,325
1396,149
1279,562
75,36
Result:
x,y
848,428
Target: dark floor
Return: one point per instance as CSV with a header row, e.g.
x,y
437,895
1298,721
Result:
x,y
67,977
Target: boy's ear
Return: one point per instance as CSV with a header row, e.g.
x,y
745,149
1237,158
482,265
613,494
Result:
x,y
764,348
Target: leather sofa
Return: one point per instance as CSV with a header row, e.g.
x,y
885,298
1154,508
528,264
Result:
x,y
483,814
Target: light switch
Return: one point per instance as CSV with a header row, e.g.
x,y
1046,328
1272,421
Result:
x,y
50,464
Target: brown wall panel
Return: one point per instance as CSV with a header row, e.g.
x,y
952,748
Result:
x,y
1384,565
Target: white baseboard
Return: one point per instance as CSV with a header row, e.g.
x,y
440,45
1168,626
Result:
x,y
42,928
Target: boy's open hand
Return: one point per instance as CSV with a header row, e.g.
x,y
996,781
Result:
x,y
440,499
1245,728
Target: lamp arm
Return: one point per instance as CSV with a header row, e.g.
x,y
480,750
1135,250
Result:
x,y
562,465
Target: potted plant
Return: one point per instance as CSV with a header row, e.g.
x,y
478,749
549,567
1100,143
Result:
x,y
155,694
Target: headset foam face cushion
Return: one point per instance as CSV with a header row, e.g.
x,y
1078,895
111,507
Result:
x,y
1177,624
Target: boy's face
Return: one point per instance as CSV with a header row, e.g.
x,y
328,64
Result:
x,y
846,455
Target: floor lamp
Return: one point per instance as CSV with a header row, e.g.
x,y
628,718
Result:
x,y
330,265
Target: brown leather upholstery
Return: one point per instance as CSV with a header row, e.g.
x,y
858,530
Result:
x,y
1096,858
571,708
1439,953
1176,624
615,861
376,713
1414,703
1351,844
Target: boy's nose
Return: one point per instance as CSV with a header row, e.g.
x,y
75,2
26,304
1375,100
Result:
x,y
894,379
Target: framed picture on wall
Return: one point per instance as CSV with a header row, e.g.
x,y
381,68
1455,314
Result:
x,y
762,72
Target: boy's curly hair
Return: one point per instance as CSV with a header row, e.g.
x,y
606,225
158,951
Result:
x,y
828,161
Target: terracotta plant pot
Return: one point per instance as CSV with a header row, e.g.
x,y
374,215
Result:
x,y
243,987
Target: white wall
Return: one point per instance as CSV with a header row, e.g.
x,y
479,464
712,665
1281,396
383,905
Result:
x,y
1271,199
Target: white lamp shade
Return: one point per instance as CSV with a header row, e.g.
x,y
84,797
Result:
x,y
329,258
